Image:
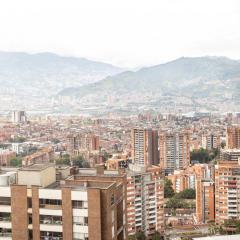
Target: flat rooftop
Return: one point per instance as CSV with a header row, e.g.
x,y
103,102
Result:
x,y
36,167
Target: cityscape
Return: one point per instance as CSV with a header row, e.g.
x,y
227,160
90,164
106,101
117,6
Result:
x,y
142,177
120,120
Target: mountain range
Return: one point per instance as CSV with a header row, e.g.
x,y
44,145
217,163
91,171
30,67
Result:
x,y
49,73
36,78
195,78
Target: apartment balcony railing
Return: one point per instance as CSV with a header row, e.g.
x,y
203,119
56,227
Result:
x,y
5,219
5,203
3,234
51,222
51,238
50,206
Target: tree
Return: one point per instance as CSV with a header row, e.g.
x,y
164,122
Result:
x,y
80,162
17,139
200,155
64,160
168,189
16,162
188,193
137,236
157,236
175,203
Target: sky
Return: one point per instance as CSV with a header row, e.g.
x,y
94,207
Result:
x,y
127,33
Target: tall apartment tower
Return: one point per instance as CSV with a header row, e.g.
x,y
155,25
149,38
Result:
x,y
145,199
19,117
205,193
211,141
145,146
87,206
174,150
233,137
227,194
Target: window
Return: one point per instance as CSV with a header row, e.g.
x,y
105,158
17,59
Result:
x,y
50,202
5,201
80,236
80,204
112,199
79,220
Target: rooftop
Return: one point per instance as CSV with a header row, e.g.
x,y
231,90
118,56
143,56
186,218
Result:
x,y
36,167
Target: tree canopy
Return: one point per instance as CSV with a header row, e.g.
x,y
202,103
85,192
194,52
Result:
x,y
188,193
168,189
203,155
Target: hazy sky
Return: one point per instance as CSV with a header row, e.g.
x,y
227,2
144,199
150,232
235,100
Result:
x,y
128,33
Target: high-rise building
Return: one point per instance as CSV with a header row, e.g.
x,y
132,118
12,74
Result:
x,y
87,206
230,155
145,199
233,137
145,146
205,190
227,194
82,142
205,204
211,141
19,117
174,150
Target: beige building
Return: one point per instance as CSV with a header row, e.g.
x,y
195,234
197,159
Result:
x,y
87,206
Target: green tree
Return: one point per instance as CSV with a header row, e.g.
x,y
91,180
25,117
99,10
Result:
x,y
175,203
168,189
64,160
137,236
17,139
16,162
157,236
200,155
80,162
188,193
203,155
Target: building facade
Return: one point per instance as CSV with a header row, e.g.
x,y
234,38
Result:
x,y
145,200
233,137
227,191
174,151
145,146
82,207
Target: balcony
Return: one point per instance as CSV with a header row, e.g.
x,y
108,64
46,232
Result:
x,y
50,238
51,207
47,235
52,220
5,234
5,204
5,221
